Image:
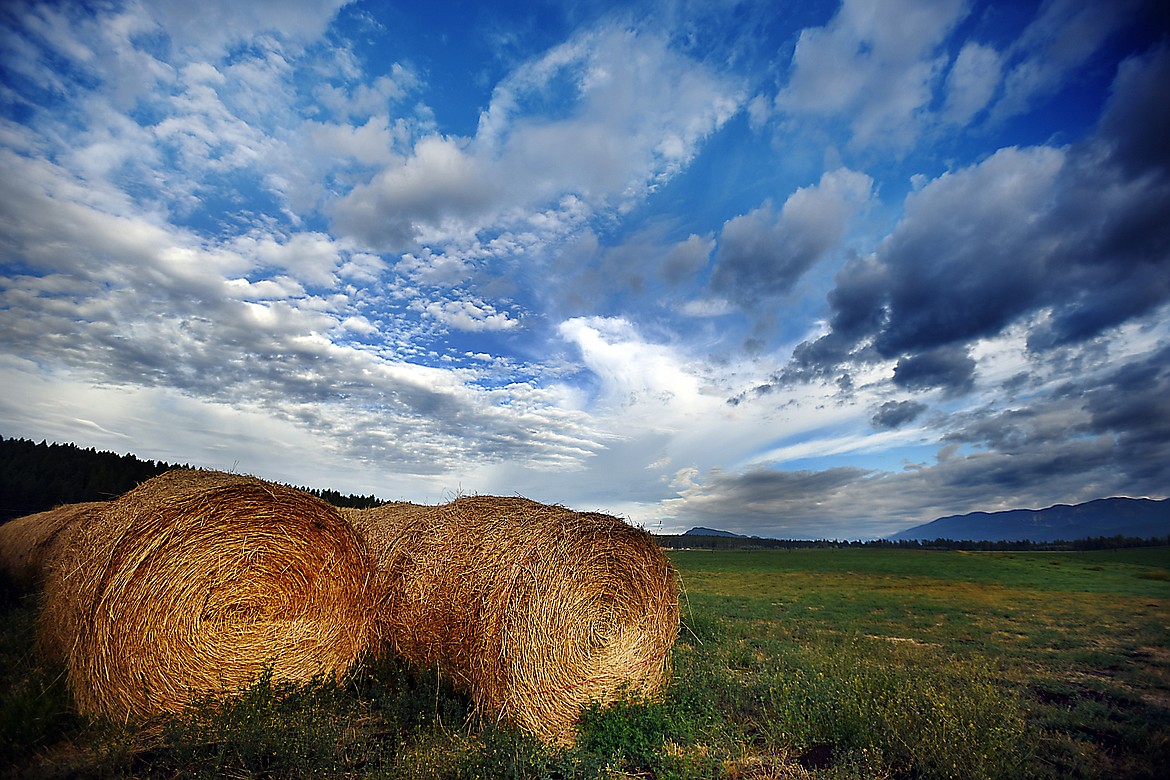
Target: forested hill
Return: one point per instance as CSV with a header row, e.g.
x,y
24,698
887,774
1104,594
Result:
x,y
35,477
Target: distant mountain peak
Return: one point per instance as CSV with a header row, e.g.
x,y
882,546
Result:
x,y
701,531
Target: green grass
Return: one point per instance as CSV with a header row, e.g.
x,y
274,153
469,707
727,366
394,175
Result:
x,y
1008,664
825,664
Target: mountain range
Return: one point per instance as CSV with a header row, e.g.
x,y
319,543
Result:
x,y
1138,517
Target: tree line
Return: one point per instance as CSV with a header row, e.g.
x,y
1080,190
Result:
x,y
35,477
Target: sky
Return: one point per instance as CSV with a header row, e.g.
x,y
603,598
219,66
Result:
x,y
793,269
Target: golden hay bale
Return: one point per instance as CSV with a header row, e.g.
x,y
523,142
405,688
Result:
x,y
534,610
194,583
28,543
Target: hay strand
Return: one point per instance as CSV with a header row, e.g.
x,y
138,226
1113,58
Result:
x,y
534,610
194,583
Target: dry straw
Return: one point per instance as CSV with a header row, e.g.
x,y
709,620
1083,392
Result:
x,y
28,543
194,583
534,610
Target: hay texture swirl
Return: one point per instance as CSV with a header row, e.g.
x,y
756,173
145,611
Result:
x,y
194,583
534,610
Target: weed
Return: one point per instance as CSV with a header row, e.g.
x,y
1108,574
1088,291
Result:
x,y
269,730
503,753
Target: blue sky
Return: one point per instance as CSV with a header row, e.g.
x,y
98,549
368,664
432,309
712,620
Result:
x,y
790,269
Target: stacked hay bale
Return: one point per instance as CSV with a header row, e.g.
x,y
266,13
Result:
x,y
28,543
194,583
534,610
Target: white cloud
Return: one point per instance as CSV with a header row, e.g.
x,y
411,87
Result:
x,y
636,374
205,131
663,411
470,315
706,307
362,268
971,83
368,99
61,224
211,25
360,325
125,303
640,113
277,288
635,117
439,182
165,424
369,144
311,258
272,359
874,65
852,443
42,36
171,130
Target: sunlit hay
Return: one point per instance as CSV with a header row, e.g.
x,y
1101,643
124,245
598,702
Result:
x,y
392,532
534,610
28,543
194,583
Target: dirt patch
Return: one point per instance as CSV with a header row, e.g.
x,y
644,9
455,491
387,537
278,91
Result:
x,y
903,640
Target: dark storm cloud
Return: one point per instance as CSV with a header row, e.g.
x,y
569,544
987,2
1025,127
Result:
x,y
857,309
1134,407
763,253
757,259
1115,212
1082,443
1126,416
850,503
1079,233
1016,431
767,499
1140,91
684,260
1105,432
949,368
895,414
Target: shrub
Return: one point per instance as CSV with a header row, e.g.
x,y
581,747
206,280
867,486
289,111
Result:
x,y
272,729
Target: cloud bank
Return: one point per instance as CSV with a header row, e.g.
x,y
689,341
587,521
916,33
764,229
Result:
x,y
835,271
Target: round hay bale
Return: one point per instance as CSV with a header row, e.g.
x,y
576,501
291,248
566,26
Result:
x,y
534,610
28,543
196,582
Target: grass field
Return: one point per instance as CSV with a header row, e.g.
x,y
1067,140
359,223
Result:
x,y
850,663
950,664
